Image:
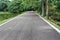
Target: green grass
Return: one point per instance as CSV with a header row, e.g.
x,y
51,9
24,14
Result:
x,y
3,21
53,23
4,16
5,13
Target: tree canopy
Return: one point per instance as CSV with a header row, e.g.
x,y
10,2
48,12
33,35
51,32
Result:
x,y
49,8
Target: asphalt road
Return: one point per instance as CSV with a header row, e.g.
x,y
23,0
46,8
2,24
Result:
x,y
28,27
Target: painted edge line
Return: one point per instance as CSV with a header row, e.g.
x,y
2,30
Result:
x,y
50,24
8,21
11,19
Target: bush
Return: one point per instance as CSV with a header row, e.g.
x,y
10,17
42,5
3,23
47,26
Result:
x,y
3,6
6,15
13,8
21,6
55,16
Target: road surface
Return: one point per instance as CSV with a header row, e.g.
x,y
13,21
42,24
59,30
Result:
x,y
28,27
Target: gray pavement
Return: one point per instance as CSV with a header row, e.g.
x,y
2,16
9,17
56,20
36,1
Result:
x,y
28,27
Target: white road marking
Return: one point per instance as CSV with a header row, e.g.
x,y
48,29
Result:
x,y
50,24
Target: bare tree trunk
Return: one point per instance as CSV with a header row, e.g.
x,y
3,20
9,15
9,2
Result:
x,y
47,9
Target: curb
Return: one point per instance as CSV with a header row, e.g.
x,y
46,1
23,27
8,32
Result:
x,y
10,19
50,24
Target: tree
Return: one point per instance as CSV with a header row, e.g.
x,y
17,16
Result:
x,y
43,7
3,6
47,9
16,7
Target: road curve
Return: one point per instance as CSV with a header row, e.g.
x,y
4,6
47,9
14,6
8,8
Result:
x,y
28,27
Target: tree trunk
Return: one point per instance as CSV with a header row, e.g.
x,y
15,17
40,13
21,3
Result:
x,y
47,9
42,8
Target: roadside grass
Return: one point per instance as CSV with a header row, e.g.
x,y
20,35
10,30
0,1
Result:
x,y
5,16
55,23
3,21
5,13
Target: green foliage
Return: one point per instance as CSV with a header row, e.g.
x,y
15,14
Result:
x,y
6,15
55,16
54,9
25,5
17,6
3,6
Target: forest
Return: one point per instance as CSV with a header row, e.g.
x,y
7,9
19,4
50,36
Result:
x,y
46,8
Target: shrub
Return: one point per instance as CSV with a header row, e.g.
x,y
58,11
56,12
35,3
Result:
x,y
3,6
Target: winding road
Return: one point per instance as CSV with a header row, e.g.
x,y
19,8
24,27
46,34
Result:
x,y
29,26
